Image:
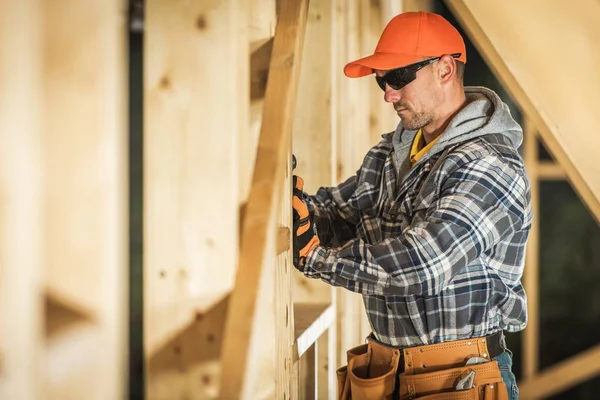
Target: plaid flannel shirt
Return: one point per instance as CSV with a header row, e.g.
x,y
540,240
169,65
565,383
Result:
x,y
437,254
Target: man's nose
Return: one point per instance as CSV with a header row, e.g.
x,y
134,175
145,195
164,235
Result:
x,y
391,95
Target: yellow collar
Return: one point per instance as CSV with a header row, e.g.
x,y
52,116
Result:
x,y
419,149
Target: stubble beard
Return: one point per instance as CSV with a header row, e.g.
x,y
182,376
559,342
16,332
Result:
x,y
417,120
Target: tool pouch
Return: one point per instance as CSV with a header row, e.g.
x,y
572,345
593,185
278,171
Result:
x,y
440,385
370,373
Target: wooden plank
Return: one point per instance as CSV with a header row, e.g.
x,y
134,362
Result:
x,y
284,308
265,190
382,116
307,371
548,170
532,262
325,365
562,376
417,5
262,20
311,321
260,59
196,92
21,200
350,108
312,132
85,167
283,239
496,25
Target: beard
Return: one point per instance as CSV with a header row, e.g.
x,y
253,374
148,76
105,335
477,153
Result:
x,y
414,121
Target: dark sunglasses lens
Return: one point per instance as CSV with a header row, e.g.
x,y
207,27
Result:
x,y
397,78
381,82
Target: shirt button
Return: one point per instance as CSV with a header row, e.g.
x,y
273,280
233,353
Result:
x,y
319,265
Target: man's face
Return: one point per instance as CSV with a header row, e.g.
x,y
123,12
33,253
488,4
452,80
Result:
x,y
416,102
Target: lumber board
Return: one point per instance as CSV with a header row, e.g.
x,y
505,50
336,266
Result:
x,y
562,376
196,90
280,98
531,274
21,200
85,199
495,26
312,134
351,140
311,321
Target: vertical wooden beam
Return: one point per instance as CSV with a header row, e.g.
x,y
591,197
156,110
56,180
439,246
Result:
x,y
382,117
350,124
243,334
531,273
308,374
195,109
21,200
284,307
325,365
417,5
86,197
261,20
312,127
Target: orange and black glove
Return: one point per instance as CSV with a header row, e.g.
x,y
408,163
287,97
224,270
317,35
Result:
x,y
305,236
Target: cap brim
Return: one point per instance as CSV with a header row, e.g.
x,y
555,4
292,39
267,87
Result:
x,y
383,61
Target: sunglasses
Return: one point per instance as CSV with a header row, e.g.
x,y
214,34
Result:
x,y
400,77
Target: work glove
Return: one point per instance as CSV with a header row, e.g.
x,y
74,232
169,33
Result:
x,y
304,233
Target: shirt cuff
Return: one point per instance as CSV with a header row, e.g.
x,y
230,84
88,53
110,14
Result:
x,y
319,260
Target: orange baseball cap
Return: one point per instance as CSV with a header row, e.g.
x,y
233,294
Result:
x,y
406,39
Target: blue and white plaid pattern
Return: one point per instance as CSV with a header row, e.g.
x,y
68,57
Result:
x,y
437,256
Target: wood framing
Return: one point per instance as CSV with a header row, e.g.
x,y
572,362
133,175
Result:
x,y
562,376
259,225
532,263
311,141
195,109
495,26
85,212
21,201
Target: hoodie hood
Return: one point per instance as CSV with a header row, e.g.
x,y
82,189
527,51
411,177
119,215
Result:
x,y
484,114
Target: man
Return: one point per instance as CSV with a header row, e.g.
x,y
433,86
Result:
x,y
432,228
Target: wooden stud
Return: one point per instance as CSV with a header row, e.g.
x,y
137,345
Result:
x,y
85,214
196,92
350,125
312,126
311,321
548,170
417,5
273,150
523,70
382,116
562,376
283,239
531,274
21,200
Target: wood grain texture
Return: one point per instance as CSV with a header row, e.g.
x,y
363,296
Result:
x,y
196,90
565,111
21,200
85,211
265,191
531,273
312,134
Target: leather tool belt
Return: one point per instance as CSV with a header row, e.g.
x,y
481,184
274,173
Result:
x,y
457,370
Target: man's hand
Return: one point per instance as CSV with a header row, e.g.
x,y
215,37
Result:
x,y
305,237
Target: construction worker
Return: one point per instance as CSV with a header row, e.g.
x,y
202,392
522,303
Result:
x,y
431,230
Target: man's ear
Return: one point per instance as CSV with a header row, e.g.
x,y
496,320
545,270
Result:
x,y
446,69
